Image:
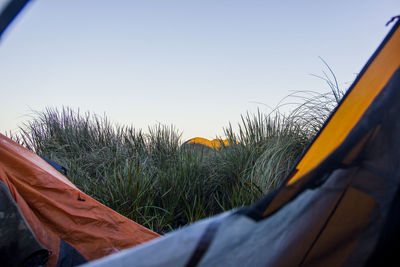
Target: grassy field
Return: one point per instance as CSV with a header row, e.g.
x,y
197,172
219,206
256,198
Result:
x,y
152,179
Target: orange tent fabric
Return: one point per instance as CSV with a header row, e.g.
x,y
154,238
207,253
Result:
x,y
215,143
57,210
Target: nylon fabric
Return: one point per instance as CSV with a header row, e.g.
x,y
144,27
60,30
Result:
x,y
55,209
360,96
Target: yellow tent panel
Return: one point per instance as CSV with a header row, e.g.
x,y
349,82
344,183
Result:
x,y
369,83
215,143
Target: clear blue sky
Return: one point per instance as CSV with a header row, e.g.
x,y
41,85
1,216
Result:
x,y
195,64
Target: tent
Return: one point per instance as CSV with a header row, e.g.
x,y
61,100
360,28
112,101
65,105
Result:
x,y
340,206
63,225
205,143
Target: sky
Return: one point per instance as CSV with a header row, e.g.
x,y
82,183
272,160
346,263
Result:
x,y
197,65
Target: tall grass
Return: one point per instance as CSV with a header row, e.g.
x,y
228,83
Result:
x,y
154,180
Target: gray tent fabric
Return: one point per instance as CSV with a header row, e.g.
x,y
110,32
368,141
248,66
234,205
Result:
x,y
18,245
337,221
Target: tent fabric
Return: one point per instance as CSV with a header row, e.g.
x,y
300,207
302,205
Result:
x,y
58,212
57,166
18,244
214,144
360,95
9,9
336,212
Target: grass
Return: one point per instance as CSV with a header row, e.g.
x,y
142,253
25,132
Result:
x,y
152,179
